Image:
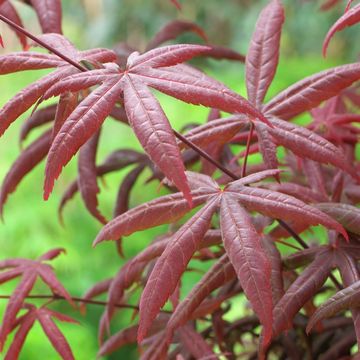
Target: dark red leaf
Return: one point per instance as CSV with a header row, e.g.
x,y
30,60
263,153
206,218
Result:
x,y
165,209
87,178
347,215
195,343
219,274
263,55
28,159
38,118
342,300
274,204
307,144
164,56
8,10
197,89
83,122
243,246
301,290
154,132
20,336
56,338
172,30
122,199
168,269
350,18
49,14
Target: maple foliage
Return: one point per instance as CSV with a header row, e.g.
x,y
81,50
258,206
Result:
x,y
233,215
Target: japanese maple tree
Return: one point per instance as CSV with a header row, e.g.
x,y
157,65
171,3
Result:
x,y
232,214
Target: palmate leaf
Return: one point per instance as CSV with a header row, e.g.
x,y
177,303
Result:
x,y
155,133
241,240
169,268
350,18
263,55
87,179
45,317
29,270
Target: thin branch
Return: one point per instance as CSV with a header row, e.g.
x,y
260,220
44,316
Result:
x,y
42,43
203,154
74,298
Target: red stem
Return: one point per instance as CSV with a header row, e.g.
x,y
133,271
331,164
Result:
x,y
243,171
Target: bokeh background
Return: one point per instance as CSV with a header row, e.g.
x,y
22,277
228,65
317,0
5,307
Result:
x,y
31,225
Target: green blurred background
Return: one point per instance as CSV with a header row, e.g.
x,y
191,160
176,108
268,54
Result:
x,y
31,225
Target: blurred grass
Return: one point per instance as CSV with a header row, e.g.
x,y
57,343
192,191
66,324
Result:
x,y
31,226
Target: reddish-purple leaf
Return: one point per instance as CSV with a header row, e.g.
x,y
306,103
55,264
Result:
x,y
197,89
311,91
220,131
27,97
171,265
56,338
243,246
307,144
219,274
87,179
274,204
164,56
165,209
52,254
27,60
20,336
301,290
274,256
154,132
38,118
315,177
253,178
27,160
172,30
301,192
123,337
83,122
15,303
347,215
266,146
49,14
263,55
342,300
350,18
195,343
221,52
8,10
122,199
66,105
